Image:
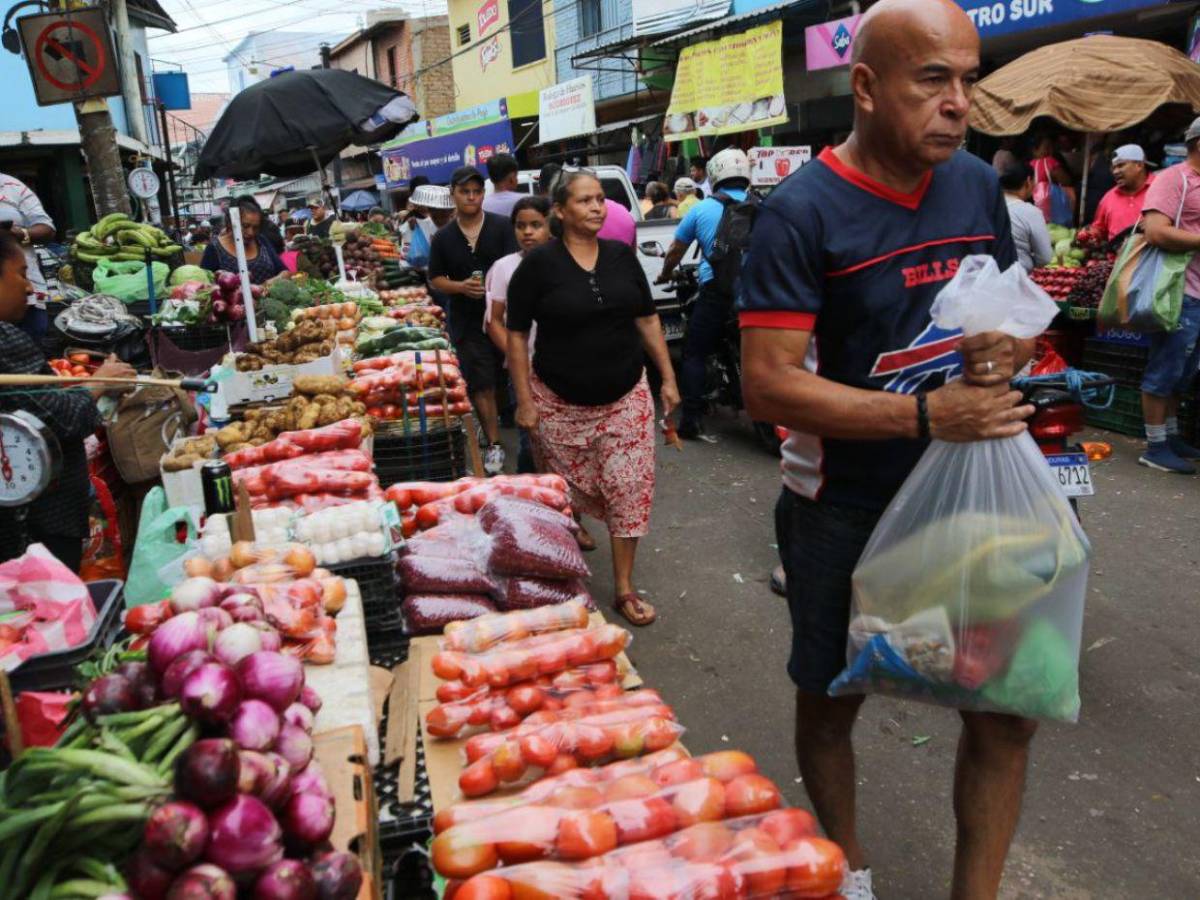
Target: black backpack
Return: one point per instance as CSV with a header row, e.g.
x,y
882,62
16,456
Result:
x,y
733,236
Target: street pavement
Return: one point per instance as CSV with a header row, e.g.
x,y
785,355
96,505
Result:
x,y
1112,807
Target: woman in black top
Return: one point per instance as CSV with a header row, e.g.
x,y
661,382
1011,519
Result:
x,y
262,262
586,400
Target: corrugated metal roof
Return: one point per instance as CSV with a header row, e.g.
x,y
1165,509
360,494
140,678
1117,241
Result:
x,y
717,24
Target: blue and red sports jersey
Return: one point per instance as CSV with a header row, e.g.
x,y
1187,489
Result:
x,y
858,264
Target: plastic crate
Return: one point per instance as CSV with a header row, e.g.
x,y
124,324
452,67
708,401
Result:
x,y
194,338
1124,416
377,586
1125,362
436,455
56,671
410,876
387,644
402,826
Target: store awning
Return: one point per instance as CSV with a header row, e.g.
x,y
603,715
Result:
x,y
68,137
752,17
611,126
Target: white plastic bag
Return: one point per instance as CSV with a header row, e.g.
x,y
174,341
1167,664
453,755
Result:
x,y
971,589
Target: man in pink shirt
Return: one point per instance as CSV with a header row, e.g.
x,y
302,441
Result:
x,y
1121,207
618,224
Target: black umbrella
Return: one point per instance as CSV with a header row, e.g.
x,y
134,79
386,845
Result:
x,y
297,122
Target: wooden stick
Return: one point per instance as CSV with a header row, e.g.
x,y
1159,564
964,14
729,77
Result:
x,y
72,381
12,727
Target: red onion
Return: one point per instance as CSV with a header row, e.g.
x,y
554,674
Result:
x,y
278,786
215,617
288,879
299,715
271,677
195,593
207,772
254,725
203,882
180,669
175,835
141,676
235,643
255,771
310,781
243,607
338,876
109,694
175,637
310,698
271,639
147,879
295,745
308,818
244,836
210,693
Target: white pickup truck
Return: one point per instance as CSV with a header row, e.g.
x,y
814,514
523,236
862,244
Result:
x,y
653,240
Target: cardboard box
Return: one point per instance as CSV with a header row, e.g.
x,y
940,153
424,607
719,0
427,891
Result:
x,y
342,755
275,382
183,488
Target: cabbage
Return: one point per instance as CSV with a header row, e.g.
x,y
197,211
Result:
x,y
190,273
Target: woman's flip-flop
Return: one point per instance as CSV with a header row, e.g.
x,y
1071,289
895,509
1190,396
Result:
x,y
635,609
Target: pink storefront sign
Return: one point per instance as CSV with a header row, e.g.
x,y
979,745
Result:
x,y
829,44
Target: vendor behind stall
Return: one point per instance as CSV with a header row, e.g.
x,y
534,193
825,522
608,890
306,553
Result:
x,y
59,517
262,262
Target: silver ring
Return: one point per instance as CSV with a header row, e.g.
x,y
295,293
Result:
x,y
990,365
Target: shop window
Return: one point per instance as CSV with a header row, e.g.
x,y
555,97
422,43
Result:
x,y
464,34
590,18
528,31
391,64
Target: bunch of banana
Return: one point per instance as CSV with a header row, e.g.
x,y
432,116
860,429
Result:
x,y
118,237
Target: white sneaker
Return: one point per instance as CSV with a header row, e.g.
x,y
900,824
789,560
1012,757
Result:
x,y
857,885
493,460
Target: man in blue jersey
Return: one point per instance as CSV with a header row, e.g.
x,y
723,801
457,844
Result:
x,y
838,345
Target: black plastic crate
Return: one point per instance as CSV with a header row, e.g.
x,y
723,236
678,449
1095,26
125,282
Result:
x,y
402,826
1124,415
1124,362
56,671
436,455
194,338
410,876
376,585
387,643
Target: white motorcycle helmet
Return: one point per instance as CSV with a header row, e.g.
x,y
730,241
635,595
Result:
x,y
729,163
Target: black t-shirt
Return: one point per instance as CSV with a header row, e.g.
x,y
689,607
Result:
x,y
588,348
450,255
320,229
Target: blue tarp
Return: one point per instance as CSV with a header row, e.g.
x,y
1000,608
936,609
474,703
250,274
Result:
x,y
357,201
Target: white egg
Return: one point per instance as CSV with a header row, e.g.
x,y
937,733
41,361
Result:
x,y
345,547
376,543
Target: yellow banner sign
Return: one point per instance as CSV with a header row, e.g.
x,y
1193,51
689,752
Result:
x,y
727,85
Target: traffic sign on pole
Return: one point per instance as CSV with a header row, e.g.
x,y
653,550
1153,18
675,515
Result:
x,y
70,55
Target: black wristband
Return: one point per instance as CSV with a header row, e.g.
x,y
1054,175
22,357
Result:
x,y
922,416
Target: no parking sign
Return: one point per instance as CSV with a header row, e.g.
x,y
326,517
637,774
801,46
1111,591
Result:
x,y
70,55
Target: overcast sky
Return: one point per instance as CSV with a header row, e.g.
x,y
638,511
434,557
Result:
x,y
209,30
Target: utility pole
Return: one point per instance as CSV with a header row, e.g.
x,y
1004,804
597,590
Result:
x,y
106,175
131,90
337,160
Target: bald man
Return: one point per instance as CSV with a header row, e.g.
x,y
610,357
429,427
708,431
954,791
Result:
x,y
838,346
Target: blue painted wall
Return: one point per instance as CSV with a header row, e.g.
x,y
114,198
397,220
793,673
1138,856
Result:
x,y
616,23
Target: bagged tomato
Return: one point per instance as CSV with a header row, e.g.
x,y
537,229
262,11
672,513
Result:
x,y
529,751
773,855
428,574
532,593
430,613
592,674
532,547
484,633
542,654
498,710
576,823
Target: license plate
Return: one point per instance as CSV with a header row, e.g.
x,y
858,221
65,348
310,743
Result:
x,y
1073,473
673,328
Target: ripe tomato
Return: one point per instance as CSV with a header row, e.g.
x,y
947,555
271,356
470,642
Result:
x,y
658,734
815,866
576,797
525,698
508,762
699,801
447,665
602,879
592,742
759,861
564,762
748,795
642,819
530,831
704,842
80,359
502,717
628,741
427,517
538,751
521,667
484,887
678,772
630,787
446,721
786,825
656,883
543,881
478,778
725,765
550,659
450,691
584,833
458,856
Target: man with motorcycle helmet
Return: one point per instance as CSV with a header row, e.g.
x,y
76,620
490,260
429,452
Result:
x,y
729,175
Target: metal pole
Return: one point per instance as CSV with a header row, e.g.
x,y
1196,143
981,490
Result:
x,y
1087,167
172,190
235,222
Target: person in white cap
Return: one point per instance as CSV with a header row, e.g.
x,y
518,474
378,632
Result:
x,y
1121,207
1174,355
685,195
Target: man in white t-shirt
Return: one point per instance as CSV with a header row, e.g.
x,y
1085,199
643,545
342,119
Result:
x,y
502,173
1028,224
22,211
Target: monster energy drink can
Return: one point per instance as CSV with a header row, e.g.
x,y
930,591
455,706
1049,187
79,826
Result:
x,y
216,479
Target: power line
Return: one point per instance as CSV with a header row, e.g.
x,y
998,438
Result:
x,y
245,15
314,37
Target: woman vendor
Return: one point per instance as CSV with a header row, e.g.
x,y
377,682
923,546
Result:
x,y
262,262
58,518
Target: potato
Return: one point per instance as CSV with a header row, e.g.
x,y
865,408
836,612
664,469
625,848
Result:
x,y
319,384
179,462
312,413
231,434
233,448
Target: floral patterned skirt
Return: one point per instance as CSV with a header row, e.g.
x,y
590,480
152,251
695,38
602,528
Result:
x,y
606,454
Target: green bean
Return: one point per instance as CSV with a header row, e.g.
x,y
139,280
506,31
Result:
x,y
186,740
72,890
118,812
164,739
46,833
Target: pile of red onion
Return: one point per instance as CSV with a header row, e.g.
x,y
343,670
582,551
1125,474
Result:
x,y
252,810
